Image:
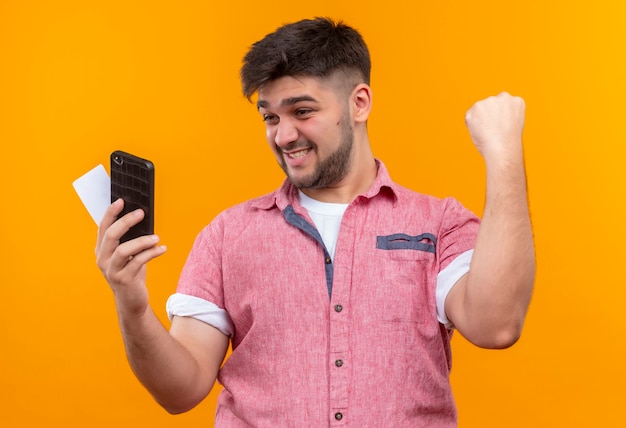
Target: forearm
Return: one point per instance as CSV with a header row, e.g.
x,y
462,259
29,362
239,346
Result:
x,y
499,285
166,363
160,362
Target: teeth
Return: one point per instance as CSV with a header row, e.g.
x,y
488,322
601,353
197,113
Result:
x,y
298,155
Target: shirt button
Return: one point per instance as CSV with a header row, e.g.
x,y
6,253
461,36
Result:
x,y
328,260
339,363
339,416
338,308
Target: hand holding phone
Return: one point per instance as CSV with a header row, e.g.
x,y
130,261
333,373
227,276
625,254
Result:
x,y
132,179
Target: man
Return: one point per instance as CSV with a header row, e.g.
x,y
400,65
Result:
x,y
339,291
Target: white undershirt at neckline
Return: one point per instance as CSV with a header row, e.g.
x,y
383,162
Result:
x,y
327,218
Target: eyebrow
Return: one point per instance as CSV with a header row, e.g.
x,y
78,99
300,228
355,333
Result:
x,y
287,101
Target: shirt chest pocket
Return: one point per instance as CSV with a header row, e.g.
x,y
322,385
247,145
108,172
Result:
x,y
401,246
406,266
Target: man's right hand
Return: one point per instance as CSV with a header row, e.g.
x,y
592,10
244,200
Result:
x,y
124,265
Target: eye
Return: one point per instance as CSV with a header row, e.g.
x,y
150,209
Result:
x,y
302,112
270,118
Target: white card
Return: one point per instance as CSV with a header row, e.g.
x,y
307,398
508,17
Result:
x,y
94,189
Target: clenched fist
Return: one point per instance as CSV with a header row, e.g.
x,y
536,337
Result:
x,y
495,125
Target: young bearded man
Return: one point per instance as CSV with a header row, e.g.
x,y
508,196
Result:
x,y
339,292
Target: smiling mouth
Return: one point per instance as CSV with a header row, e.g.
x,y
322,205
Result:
x,y
299,154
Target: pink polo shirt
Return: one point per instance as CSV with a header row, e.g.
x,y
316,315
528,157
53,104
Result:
x,y
353,341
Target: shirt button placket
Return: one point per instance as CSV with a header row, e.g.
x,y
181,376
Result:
x,y
339,379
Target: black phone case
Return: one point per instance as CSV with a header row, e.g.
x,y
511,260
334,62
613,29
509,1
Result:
x,y
132,179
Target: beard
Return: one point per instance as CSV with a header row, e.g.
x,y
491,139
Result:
x,y
329,171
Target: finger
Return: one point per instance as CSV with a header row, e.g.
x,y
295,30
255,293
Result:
x,y
107,220
128,266
135,263
109,239
133,250
109,217
115,232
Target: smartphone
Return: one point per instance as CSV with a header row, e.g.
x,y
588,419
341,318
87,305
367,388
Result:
x,y
132,179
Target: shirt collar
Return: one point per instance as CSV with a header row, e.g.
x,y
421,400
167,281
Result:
x,y
287,194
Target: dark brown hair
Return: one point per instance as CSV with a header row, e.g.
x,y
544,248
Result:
x,y
311,47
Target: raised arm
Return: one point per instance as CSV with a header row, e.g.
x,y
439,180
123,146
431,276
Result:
x,y
178,367
488,305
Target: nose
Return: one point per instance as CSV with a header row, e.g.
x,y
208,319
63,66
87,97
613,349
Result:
x,y
285,133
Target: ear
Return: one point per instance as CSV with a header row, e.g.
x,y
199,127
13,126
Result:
x,y
361,102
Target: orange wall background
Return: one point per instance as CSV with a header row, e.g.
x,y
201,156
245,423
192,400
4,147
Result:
x,y
160,79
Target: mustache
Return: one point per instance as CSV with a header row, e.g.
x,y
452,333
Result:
x,y
297,145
